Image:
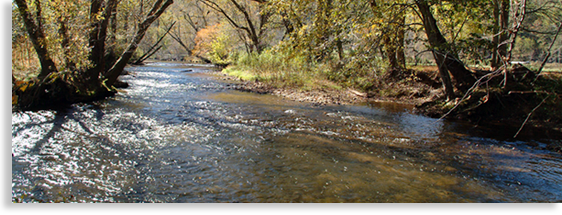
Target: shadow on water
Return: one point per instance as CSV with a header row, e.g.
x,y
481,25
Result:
x,y
178,135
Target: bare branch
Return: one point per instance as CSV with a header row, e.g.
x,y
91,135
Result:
x,y
529,116
549,50
157,9
152,50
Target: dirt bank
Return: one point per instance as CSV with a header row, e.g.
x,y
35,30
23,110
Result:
x,y
405,92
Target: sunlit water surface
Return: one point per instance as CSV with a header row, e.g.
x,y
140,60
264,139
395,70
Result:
x,y
179,135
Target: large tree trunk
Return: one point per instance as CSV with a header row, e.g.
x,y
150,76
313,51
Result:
x,y
37,37
97,40
445,58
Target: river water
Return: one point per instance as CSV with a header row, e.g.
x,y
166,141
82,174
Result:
x,y
179,135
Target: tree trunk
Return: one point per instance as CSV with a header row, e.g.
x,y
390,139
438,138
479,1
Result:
x,y
97,40
444,75
501,22
37,37
65,43
399,22
157,9
445,58
400,35
250,29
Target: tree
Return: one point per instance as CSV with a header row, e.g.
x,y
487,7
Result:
x,y
157,9
56,84
393,16
317,28
247,23
500,29
35,29
195,16
100,12
212,45
446,59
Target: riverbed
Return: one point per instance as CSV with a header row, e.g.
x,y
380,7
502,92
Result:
x,y
178,134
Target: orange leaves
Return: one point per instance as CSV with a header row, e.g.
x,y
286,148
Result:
x,y
204,38
214,43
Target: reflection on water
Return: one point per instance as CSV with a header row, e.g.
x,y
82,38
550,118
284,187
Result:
x,y
177,135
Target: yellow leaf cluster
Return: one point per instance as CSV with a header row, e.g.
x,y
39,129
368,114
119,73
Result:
x,y
22,85
14,99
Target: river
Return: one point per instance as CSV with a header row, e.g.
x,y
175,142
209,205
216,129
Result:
x,y
178,134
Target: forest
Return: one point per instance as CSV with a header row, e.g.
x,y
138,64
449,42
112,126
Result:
x,y
480,60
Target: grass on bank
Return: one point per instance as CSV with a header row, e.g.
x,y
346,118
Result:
x,y
281,71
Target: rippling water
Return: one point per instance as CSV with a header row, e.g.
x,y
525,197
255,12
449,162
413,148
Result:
x,y
178,135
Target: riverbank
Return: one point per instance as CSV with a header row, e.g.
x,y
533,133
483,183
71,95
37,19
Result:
x,y
421,88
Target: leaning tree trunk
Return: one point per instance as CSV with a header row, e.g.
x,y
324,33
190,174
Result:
x,y
446,59
37,37
157,9
98,36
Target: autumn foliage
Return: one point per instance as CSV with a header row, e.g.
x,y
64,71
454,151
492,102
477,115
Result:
x,y
213,43
70,39
205,38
